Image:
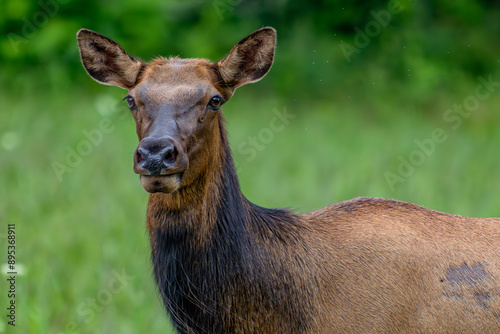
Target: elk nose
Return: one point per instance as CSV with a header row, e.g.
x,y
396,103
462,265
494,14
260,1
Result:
x,y
156,156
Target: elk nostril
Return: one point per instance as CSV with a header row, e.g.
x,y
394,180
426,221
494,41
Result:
x,y
170,156
141,153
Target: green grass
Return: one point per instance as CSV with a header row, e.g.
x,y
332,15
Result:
x,y
74,233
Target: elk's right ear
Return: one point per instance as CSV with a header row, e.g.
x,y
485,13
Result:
x,y
106,61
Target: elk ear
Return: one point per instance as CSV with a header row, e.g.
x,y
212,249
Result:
x,y
250,59
106,61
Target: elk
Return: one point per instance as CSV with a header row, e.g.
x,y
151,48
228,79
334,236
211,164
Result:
x,y
225,265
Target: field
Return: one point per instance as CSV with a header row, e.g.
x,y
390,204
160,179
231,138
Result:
x,y
79,210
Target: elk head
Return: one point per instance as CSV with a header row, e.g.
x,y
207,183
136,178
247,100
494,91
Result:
x,y
176,103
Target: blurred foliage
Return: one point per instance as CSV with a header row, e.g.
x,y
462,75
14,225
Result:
x,y
427,45
356,117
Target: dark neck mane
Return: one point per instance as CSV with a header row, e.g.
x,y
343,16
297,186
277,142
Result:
x,y
211,253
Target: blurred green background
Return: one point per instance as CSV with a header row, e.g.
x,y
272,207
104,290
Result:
x,y
396,99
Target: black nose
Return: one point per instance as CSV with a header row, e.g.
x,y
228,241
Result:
x,y
156,156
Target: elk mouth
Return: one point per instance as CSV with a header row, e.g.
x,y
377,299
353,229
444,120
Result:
x,y
161,183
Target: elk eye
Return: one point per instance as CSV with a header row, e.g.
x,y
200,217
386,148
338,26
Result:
x,y
130,101
215,102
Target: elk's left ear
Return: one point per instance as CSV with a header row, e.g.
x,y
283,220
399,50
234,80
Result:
x,y
250,59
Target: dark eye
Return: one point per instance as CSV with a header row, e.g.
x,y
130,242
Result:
x,y
130,101
215,102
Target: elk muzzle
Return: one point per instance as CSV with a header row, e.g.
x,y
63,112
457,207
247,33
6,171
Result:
x,y
161,163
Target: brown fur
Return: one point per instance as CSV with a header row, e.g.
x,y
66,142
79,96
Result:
x,y
225,265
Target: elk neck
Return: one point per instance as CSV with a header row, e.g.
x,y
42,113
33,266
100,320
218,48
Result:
x,y
220,239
